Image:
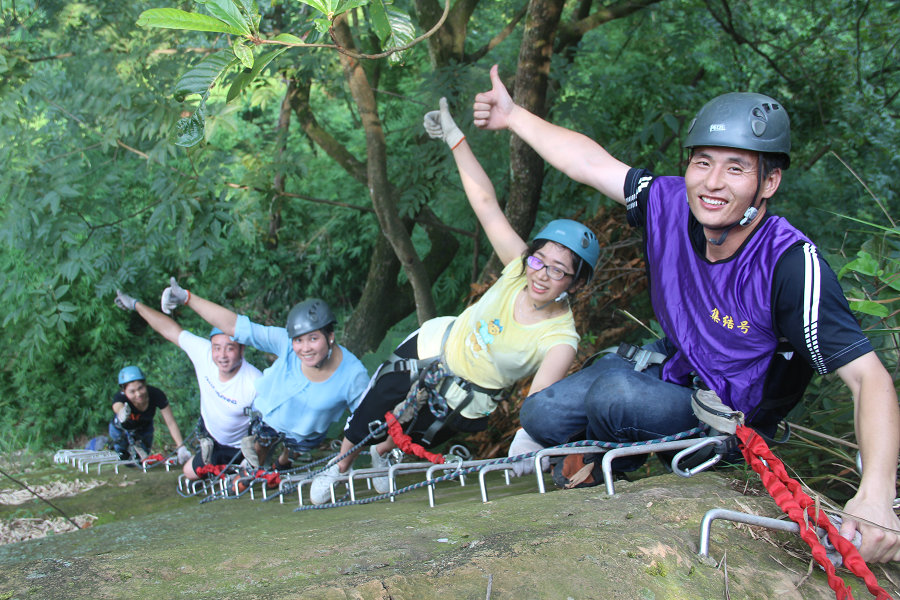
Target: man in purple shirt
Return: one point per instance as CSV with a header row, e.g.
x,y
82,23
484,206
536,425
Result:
x,y
746,303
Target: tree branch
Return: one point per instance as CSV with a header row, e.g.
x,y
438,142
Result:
x,y
570,33
728,27
497,39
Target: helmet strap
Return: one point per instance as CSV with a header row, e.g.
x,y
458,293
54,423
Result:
x,y
327,356
749,214
559,298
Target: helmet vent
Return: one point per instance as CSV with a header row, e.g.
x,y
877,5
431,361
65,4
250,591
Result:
x,y
759,127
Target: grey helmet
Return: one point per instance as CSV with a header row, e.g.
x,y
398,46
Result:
x,y
742,120
309,315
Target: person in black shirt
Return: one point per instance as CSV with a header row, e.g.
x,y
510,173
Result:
x,y
134,407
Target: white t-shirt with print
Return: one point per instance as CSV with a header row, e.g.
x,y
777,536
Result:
x,y
222,403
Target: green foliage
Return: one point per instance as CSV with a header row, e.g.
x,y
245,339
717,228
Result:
x,y
394,28
98,193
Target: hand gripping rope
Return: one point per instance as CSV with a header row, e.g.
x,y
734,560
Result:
x,y
790,497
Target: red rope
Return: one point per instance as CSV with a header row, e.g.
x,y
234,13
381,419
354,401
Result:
x,y
214,470
272,479
405,443
153,458
801,509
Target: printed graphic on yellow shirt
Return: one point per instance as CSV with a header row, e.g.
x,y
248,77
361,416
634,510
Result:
x,y
483,335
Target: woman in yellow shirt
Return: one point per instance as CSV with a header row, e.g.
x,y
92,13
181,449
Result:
x,y
521,326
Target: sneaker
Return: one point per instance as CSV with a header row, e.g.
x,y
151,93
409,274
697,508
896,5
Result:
x,y
381,484
577,471
320,488
522,443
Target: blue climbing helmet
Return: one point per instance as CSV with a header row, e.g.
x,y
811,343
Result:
x,y
214,332
129,374
577,238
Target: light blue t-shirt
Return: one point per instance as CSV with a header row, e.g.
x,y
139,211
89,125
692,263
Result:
x,y
288,401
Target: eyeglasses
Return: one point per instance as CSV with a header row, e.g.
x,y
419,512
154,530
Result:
x,y
554,273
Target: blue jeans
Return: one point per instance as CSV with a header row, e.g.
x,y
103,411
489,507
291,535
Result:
x,y
610,401
119,438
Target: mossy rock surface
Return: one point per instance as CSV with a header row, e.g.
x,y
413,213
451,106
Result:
x,y
641,543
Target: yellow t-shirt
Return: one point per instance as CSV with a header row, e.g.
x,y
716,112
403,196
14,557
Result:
x,y
487,346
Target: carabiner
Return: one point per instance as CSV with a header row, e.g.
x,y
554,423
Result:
x,y
710,441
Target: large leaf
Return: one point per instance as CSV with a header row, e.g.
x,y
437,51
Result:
x,y
243,53
173,18
189,131
864,263
870,308
204,74
262,61
333,8
228,12
402,32
380,22
322,6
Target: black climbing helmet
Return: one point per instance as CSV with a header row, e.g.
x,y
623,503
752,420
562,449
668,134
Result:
x,y
742,120
309,315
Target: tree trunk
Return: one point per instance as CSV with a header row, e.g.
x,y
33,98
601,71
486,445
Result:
x,y
284,124
530,91
377,181
449,41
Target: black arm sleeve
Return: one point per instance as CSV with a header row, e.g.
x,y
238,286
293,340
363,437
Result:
x,y
637,192
811,312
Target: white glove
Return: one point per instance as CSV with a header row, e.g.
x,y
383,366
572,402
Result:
x,y
124,301
173,297
523,443
124,413
184,455
440,125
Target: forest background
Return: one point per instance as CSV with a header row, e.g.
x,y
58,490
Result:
x,y
262,165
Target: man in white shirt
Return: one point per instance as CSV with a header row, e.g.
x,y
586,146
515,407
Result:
x,y
226,383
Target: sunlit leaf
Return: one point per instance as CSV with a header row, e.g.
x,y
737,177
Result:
x,y
402,32
869,308
173,18
864,263
243,53
323,6
228,12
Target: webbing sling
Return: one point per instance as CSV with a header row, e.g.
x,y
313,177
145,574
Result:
x,y
417,367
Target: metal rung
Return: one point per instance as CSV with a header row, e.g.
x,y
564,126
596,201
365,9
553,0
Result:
x,y
505,467
418,467
739,517
429,474
606,463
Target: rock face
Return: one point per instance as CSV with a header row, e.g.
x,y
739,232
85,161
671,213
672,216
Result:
x,y
641,543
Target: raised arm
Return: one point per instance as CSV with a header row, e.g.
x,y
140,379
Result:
x,y
576,155
508,245
877,419
217,316
161,324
